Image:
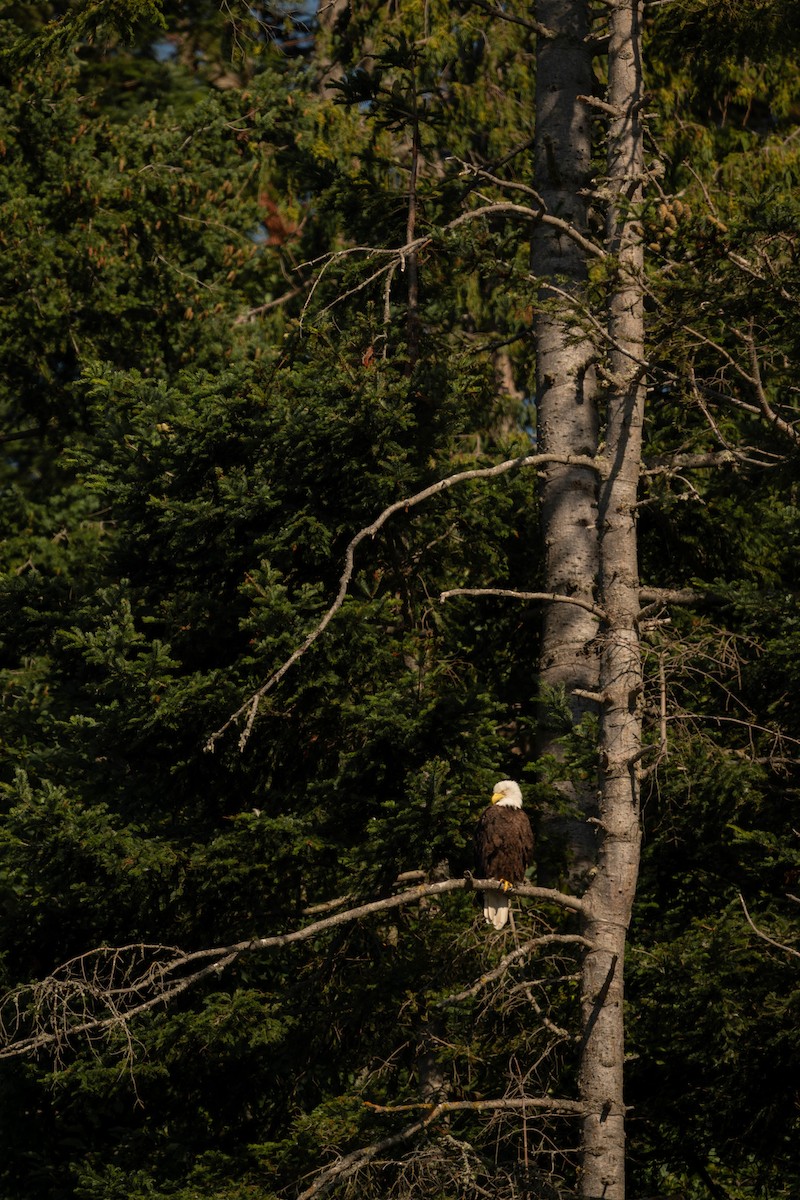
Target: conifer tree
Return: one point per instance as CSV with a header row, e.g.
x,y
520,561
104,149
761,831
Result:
x,y
251,313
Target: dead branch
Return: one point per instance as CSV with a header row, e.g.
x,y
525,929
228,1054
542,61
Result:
x,y
654,599
753,378
468,168
71,1002
348,1164
536,215
327,905
691,462
544,597
778,737
19,434
765,936
102,990
779,423
407,254
339,901
494,11
549,939
251,704
251,313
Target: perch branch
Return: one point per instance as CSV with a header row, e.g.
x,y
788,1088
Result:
x,y
104,989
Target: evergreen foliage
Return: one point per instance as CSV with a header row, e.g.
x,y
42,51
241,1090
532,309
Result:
x,y
214,375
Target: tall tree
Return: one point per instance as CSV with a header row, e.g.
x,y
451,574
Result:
x,y
609,899
567,419
233,373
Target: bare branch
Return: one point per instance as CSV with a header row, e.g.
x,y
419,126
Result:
x,y
19,434
532,214
103,979
548,939
779,423
716,719
251,704
543,597
752,377
502,15
765,936
251,313
103,990
402,255
691,462
468,168
595,102
656,598
348,1164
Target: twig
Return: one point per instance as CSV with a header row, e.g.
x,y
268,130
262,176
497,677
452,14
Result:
x,y
530,214
502,15
655,596
37,431
348,1164
248,316
408,253
574,939
784,426
337,902
468,168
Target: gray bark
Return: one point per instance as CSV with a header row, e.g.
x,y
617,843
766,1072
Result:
x,y
609,899
590,542
567,421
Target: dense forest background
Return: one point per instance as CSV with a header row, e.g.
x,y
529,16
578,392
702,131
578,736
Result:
x,y
216,370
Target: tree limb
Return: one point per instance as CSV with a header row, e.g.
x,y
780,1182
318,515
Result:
x,y
515,595
652,595
494,11
401,254
548,939
506,208
251,704
348,1164
104,989
785,427
765,936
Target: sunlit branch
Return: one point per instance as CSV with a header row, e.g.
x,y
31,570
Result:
x,y
542,597
765,936
407,253
249,707
124,982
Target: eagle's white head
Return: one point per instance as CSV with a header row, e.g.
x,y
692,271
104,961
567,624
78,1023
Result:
x,y
507,792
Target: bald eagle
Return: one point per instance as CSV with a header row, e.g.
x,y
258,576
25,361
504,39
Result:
x,y
503,847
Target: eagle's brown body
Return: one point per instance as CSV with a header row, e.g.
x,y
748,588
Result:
x,y
503,843
503,850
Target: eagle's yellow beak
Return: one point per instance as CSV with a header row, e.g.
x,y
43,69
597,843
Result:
x,y
496,796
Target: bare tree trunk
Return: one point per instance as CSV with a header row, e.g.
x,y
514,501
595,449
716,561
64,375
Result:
x,y
610,898
567,421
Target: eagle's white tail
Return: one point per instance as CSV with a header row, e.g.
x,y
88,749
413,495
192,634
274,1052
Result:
x,y
495,908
